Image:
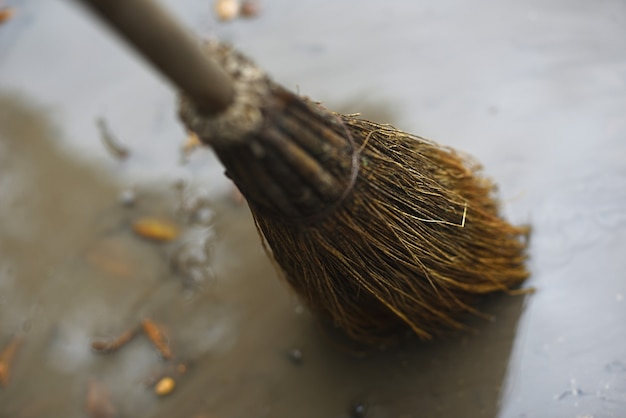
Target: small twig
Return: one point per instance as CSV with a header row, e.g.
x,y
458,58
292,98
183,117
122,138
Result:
x,y
111,143
106,347
156,335
6,359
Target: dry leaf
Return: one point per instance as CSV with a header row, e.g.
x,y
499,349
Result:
x,y
191,143
227,9
110,141
165,386
156,229
106,347
98,402
6,359
181,368
113,257
158,338
6,14
250,8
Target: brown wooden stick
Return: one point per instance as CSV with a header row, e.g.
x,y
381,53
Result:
x,y
171,48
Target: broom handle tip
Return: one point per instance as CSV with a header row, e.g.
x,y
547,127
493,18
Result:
x,y
170,48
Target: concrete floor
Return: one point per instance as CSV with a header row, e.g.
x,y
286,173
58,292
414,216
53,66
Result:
x,y
534,90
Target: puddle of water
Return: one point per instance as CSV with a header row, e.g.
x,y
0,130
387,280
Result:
x,y
73,273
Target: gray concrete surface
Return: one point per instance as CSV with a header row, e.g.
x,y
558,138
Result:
x,y
535,90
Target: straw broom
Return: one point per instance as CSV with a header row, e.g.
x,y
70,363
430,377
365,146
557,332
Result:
x,y
379,231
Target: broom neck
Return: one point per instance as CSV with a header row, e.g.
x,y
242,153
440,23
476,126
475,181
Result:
x,y
290,157
299,167
174,51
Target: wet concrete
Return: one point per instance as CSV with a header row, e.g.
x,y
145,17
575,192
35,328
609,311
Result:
x,y
535,90
73,272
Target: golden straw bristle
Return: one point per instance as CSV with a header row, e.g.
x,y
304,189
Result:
x,y
379,231
417,239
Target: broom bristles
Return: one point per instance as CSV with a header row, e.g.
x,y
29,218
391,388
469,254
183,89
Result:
x,y
379,231
416,240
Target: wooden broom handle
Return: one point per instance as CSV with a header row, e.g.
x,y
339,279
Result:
x,y
170,48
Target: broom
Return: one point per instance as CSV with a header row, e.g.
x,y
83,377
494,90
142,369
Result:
x,y
379,231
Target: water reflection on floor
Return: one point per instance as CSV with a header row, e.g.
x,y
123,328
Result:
x,y
535,90
73,272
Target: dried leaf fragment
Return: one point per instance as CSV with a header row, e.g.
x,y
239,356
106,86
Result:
x,y
156,229
6,359
227,9
114,267
110,141
165,386
191,143
98,402
181,368
106,347
157,336
6,13
250,8
112,257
